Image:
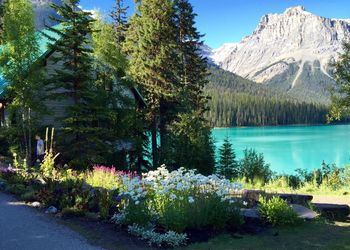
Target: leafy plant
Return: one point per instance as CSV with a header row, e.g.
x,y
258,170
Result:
x,y
180,200
276,211
48,165
72,212
254,168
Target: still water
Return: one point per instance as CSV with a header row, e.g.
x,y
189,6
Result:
x,y
287,148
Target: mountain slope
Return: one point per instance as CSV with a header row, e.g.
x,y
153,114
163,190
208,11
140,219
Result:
x,y
291,51
236,101
43,11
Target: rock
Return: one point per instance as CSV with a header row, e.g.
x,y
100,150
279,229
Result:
x,y
36,204
296,198
251,215
2,185
303,212
251,197
286,46
333,210
51,210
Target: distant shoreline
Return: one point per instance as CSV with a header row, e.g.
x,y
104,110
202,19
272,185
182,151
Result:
x,y
287,125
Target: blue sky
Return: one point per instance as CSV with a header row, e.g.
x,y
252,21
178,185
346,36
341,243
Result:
x,y
230,20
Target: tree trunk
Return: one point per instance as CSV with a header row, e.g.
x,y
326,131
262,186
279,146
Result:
x,y
162,130
29,160
154,143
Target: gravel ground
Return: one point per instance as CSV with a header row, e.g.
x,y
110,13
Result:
x,y
332,199
24,228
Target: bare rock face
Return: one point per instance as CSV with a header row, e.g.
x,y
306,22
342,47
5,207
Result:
x,y
43,11
293,47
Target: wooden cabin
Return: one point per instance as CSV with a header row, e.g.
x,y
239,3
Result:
x,y
57,108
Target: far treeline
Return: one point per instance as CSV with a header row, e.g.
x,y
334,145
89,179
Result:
x,y
239,102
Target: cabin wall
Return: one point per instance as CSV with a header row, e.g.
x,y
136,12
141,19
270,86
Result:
x,y
56,108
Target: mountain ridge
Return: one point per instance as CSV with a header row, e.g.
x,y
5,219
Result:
x,y
292,51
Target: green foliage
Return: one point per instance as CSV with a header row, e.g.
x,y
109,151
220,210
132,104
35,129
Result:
x,y
21,69
178,201
72,212
137,213
87,120
150,44
29,196
228,165
191,145
48,165
2,12
207,211
254,168
276,211
119,16
238,102
117,113
164,33
101,178
16,188
341,94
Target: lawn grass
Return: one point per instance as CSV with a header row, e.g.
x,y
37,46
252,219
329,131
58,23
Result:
x,y
309,235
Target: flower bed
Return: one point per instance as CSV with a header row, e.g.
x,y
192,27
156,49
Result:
x,y
175,203
167,209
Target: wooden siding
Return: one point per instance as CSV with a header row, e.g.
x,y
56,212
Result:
x,y
56,108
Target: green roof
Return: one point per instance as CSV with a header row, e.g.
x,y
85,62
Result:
x,y
43,49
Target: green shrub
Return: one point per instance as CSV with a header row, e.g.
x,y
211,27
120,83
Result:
x,y
254,168
16,189
103,177
276,211
72,212
178,201
29,196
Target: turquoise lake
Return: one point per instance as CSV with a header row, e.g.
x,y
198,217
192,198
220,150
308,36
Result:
x,y
287,148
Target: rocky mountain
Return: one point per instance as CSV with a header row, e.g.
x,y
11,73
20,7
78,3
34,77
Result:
x,y
43,11
291,51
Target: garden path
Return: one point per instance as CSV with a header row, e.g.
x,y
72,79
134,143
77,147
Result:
x,y
24,228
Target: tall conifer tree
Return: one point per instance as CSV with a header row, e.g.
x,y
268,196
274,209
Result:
x,y
192,66
119,16
192,145
73,81
151,44
2,12
228,166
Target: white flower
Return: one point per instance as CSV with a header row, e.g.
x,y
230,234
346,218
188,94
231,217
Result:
x,y
137,202
172,196
179,186
190,199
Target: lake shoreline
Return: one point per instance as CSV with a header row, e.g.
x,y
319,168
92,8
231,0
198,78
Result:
x,y
287,148
287,125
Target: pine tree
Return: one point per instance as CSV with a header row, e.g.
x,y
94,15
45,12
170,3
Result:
x,y
119,16
228,165
2,12
341,97
73,81
151,43
192,66
22,70
191,136
119,110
